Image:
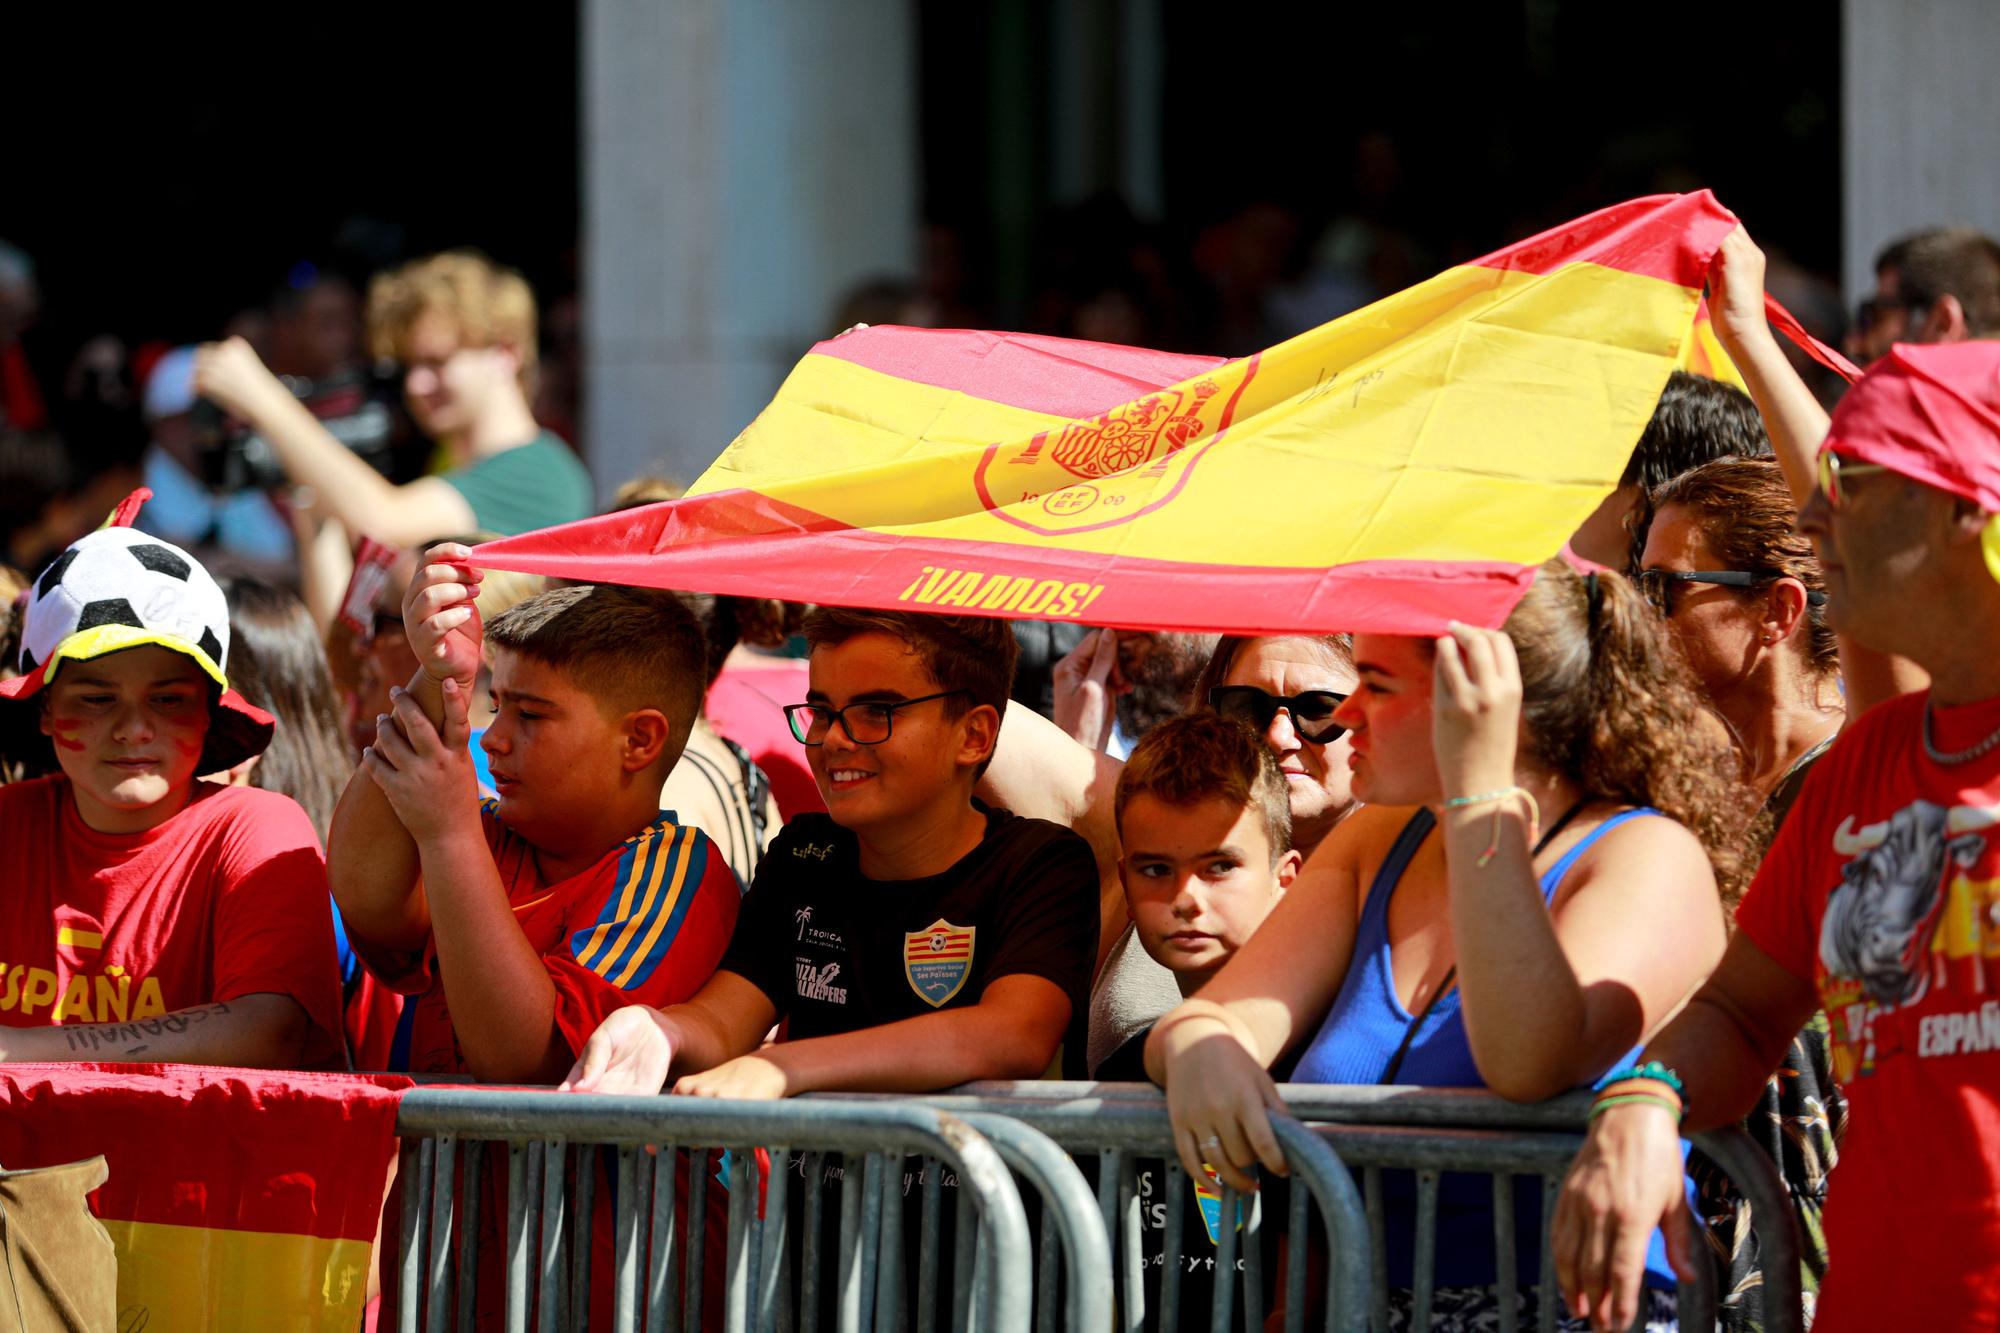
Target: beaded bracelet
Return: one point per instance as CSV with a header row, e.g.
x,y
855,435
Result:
x,y
1604,1104
1490,797
1652,1069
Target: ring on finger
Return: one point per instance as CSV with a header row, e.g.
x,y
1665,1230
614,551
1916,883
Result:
x,y
1211,1143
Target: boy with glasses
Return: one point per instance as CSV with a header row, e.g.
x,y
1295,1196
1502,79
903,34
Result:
x,y
910,939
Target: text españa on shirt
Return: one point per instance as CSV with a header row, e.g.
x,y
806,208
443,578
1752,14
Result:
x,y
112,996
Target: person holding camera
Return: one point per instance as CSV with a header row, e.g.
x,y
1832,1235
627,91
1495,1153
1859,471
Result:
x,y
463,330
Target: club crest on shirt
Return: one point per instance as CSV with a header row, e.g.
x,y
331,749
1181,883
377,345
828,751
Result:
x,y
937,960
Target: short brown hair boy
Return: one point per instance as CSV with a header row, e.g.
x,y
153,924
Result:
x,y
971,653
1204,756
626,647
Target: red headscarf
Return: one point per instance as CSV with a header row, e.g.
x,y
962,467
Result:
x,y
1931,412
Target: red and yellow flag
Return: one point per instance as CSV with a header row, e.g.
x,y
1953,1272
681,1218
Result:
x,y
1405,465
236,1199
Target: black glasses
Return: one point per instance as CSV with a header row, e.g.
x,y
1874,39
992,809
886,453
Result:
x,y
1311,711
1658,584
865,723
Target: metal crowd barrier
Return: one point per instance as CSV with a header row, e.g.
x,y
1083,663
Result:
x,y
549,1216
984,1132
1431,1132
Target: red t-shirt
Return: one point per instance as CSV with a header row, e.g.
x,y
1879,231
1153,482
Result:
x,y
227,898
645,925
1883,890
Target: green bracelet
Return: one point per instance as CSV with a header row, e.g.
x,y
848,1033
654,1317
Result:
x,y
1603,1104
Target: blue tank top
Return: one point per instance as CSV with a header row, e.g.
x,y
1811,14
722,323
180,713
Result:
x,y
1360,1036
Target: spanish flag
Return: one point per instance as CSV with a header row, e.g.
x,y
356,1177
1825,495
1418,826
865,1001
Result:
x,y
235,1199
1406,465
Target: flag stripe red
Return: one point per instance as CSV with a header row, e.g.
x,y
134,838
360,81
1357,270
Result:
x,y
232,1149
746,544
1669,237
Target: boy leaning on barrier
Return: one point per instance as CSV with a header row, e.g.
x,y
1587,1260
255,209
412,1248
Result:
x,y
1206,826
911,938
147,915
517,924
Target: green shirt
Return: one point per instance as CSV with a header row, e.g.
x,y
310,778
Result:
x,y
535,485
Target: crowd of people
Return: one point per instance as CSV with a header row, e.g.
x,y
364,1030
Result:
x,y
292,783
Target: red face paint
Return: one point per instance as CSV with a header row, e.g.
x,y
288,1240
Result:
x,y
65,729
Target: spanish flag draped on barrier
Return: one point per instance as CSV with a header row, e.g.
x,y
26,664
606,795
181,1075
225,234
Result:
x,y
1405,465
235,1198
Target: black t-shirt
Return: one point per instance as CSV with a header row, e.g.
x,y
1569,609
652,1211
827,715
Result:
x,y
835,951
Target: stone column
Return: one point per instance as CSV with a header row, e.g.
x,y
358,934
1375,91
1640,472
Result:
x,y
745,162
1920,109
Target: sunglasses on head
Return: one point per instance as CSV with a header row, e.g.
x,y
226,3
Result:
x,y
1658,585
1311,711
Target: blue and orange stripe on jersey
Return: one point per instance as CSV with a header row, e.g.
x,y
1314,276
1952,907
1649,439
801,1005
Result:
x,y
658,876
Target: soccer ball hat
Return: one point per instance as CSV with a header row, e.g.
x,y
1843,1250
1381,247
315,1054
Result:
x,y
120,588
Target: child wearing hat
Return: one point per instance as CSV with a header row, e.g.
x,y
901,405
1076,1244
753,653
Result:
x,y
147,915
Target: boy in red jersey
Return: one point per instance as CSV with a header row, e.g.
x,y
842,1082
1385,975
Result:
x,y
572,895
146,915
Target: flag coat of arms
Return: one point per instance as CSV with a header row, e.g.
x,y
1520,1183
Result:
x,y
1406,465
937,960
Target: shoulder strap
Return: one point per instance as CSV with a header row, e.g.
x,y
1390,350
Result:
x,y
1390,872
1552,880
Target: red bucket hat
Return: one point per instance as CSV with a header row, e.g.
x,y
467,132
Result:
x,y
120,588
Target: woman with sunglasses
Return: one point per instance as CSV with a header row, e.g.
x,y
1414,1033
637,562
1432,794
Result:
x,y
1721,560
1530,889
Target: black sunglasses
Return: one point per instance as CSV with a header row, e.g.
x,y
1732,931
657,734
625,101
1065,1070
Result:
x,y
1311,711
1658,584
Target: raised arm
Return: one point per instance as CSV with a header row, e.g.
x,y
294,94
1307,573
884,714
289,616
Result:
x,y
372,861
1552,1000
230,375
1797,425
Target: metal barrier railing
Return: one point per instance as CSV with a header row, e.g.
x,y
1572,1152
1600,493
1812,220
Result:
x,y
1431,1132
1125,1126
984,1131
550,1217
